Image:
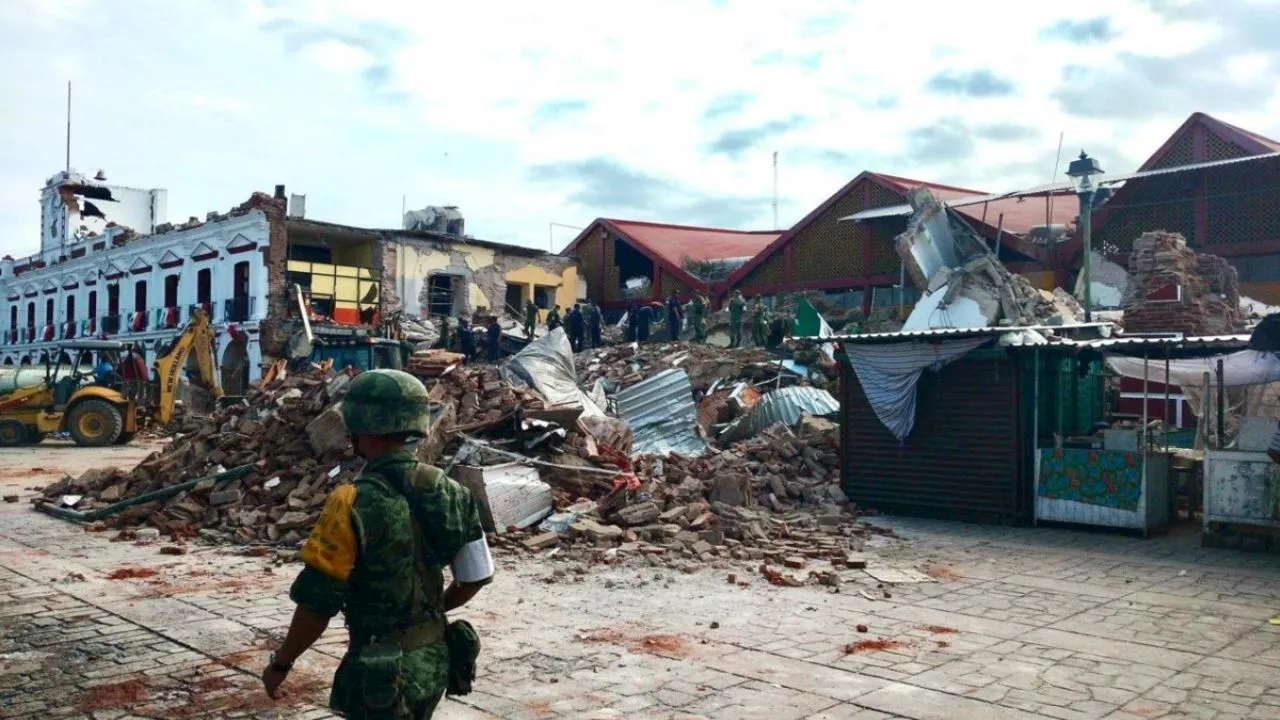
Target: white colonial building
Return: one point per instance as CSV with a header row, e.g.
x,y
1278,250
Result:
x,y
110,266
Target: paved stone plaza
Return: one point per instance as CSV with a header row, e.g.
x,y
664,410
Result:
x,y
1020,623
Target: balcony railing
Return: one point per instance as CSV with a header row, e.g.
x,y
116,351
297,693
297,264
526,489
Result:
x,y
111,324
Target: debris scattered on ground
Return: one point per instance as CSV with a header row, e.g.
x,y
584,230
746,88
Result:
x,y
562,475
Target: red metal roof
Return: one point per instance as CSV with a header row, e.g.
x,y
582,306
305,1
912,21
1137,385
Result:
x,y
677,243
1022,214
1251,142
942,192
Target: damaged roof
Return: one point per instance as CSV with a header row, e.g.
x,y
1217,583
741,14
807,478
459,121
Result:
x,y
676,243
672,245
323,227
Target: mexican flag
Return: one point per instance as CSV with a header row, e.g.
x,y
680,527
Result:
x,y
809,323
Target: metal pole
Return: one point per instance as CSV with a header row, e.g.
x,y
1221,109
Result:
x,y
1035,426
775,189
1166,400
999,234
68,127
1086,232
1222,408
1143,447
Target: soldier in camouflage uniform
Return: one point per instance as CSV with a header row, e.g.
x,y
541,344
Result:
x,y
377,554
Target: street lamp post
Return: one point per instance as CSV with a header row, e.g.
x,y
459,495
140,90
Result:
x,y
1081,171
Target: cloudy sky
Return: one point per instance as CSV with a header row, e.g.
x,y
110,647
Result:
x,y
531,113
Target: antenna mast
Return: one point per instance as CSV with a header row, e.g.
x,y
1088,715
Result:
x,y
775,189
68,127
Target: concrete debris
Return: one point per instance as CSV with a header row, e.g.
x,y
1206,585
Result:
x,y
770,496
964,284
511,496
1110,285
1180,290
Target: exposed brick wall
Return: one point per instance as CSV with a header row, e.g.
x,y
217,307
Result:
x,y
1210,303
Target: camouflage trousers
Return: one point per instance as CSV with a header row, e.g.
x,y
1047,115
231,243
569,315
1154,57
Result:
x,y
426,675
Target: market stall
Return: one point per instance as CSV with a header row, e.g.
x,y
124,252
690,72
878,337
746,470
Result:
x,y
1121,472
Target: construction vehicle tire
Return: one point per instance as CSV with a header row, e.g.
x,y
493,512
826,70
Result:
x,y
94,423
125,437
12,433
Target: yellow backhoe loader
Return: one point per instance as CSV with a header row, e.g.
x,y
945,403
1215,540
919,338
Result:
x,y
70,399
196,340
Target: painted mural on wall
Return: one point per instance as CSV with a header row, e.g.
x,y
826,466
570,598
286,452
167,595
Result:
x,y
1095,477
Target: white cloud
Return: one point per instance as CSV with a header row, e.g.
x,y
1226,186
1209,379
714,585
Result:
x,y
356,103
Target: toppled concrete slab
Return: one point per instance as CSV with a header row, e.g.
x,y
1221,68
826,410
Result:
x,y
964,284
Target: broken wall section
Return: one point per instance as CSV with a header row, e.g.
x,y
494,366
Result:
x,y
437,278
1180,290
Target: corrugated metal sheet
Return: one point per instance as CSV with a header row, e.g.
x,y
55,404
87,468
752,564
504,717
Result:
x,y
1204,342
662,415
948,333
785,405
1053,188
964,457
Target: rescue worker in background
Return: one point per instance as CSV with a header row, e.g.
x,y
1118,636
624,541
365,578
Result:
x,y
492,336
377,554
675,313
444,333
644,318
698,311
757,324
736,305
133,372
575,324
530,319
466,339
633,322
553,318
595,325
777,330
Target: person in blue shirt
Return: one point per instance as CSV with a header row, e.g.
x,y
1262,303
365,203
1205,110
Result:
x,y
103,371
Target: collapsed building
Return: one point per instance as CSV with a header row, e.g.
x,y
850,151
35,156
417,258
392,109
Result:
x,y
112,266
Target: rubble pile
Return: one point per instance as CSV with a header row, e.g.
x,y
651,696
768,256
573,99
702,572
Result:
x,y
625,365
766,489
288,435
774,497
1180,290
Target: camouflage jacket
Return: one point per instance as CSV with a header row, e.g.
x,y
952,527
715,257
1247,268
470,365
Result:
x,y
360,561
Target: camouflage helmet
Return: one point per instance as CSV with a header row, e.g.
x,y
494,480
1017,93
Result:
x,y
386,402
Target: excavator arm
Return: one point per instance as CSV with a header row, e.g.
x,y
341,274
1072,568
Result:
x,y
196,338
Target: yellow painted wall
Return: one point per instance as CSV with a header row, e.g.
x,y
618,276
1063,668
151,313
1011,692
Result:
x,y
566,283
418,264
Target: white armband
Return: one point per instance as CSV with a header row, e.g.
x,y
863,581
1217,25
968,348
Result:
x,y
473,562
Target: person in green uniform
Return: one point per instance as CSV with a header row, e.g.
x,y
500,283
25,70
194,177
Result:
x,y
377,554
758,321
553,318
698,310
736,306
444,333
530,319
